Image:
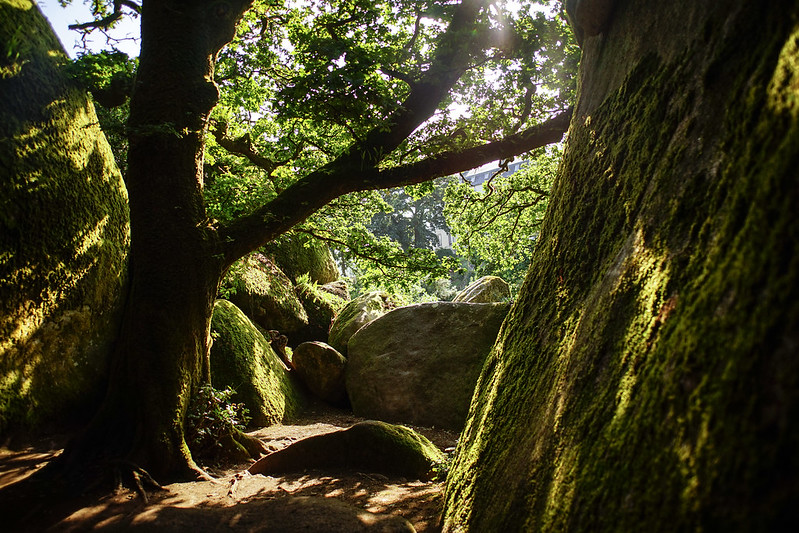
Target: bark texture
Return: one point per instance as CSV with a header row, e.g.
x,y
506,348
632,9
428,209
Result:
x,y
64,232
176,264
647,378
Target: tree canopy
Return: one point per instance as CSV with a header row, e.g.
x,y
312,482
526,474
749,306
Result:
x,y
306,84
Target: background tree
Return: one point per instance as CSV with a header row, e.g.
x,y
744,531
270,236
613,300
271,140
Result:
x,y
342,113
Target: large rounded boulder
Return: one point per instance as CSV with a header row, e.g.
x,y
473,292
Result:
x,y
242,358
356,314
64,232
321,368
485,290
419,364
297,256
259,288
370,446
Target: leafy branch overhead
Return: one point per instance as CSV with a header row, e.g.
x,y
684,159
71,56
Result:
x,y
321,99
331,98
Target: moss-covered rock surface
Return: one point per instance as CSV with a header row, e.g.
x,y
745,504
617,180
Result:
x,y
321,368
321,307
487,289
297,255
241,358
259,288
355,315
647,378
371,446
63,230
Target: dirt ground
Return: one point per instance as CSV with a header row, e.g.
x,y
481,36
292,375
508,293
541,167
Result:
x,y
313,501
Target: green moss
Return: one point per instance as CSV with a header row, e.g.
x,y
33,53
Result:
x,y
356,314
63,230
297,255
371,445
241,358
320,305
257,286
646,378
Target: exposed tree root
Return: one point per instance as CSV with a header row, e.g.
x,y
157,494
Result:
x,y
139,478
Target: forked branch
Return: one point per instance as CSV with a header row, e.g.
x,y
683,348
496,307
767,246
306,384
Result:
x,y
115,15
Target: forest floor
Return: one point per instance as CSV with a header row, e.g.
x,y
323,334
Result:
x,y
313,501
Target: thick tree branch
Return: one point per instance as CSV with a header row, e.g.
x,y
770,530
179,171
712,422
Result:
x,y
456,161
451,59
316,190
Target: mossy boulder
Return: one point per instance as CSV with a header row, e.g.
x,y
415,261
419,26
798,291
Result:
x,y
356,314
337,288
241,358
370,446
259,288
297,255
321,368
647,377
64,232
321,307
419,364
485,290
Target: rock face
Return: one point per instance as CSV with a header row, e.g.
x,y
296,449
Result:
x,y
419,364
372,446
647,377
242,358
297,256
356,314
321,307
321,368
337,288
485,290
64,231
266,295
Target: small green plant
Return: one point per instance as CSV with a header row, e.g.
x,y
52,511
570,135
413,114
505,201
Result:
x,y
211,419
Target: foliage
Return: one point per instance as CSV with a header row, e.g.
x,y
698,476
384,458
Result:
x,y
303,83
211,419
108,75
102,69
497,227
416,213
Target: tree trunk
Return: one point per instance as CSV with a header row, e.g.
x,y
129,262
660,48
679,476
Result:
x,y
176,263
647,378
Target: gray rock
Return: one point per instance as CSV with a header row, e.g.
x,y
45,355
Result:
x,y
355,315
419,364
321,368
485,290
